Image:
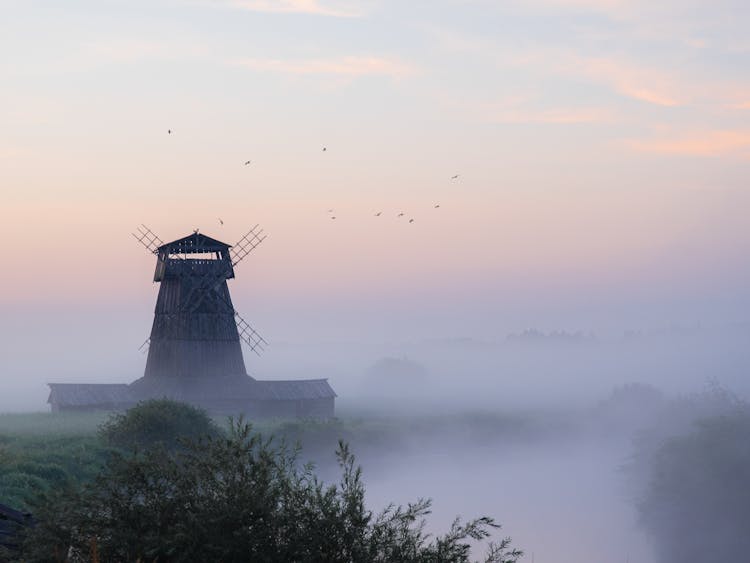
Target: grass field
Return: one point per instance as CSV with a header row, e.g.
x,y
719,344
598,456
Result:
x,y
50,424
40,452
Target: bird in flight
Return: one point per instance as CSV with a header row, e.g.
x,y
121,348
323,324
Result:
x,y
324,149
400,215
169,131
411,220
220,221
437,205
378,214
247,162
333,216
454,177
330,211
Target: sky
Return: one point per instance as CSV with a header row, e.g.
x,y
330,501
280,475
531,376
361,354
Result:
x,y
602,148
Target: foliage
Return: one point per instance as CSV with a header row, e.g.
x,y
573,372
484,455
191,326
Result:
x,y
696,502
240,498
44,452
51,423
158,421
71,441
30,465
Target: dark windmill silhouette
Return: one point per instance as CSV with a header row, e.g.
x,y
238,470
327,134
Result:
x,y
196,331
194,351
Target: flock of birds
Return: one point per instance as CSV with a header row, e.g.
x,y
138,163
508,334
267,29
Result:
x,y
330,211
398,215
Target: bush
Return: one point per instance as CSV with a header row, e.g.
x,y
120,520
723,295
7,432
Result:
x,y
52,473
30,465
158,421
19,489
240,498
696,503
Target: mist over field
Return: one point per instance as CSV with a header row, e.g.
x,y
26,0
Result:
x,y
524,427
501,369
520,424
533,428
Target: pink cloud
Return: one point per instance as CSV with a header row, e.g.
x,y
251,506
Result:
x,y
708,143
633,81
343,66
293,7
555,116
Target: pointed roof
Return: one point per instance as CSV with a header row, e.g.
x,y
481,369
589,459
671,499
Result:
x,y
194,243
293,389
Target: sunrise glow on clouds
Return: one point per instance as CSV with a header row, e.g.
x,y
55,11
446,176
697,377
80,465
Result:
x,y
348,66
313,7
594,140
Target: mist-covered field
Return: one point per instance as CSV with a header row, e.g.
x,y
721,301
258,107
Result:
x,y
567,482
557,434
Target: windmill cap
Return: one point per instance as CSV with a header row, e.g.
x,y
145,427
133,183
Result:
x,y
193,244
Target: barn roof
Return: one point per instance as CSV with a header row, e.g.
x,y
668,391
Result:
x,y
89,394
294,390
192,389
194,243
242,387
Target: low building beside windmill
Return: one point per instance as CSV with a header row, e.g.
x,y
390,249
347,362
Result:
x,y
194,352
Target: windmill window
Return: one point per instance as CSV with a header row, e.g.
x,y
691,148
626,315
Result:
x,y
195,256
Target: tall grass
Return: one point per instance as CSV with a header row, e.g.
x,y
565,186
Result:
x,y
40,452
51,424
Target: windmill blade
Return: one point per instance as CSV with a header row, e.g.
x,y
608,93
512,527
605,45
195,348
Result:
x,y
249,335
246,244
209,286
148,239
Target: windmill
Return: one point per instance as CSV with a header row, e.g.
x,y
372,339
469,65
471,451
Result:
x,y
196,330
195,350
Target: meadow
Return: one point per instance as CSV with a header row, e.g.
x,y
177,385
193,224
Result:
x,y
41,451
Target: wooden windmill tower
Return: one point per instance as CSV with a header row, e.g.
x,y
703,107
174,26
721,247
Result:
x,y
194,351
196,331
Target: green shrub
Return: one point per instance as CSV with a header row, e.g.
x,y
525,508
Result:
x,y
157,422
19,489
51,473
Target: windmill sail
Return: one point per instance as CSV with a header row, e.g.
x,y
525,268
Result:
x,y
246,244
147,238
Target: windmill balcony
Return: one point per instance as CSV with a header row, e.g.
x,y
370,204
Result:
x,y
178,267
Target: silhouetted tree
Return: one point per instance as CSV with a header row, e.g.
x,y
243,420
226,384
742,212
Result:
x,y
696,503
240,498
